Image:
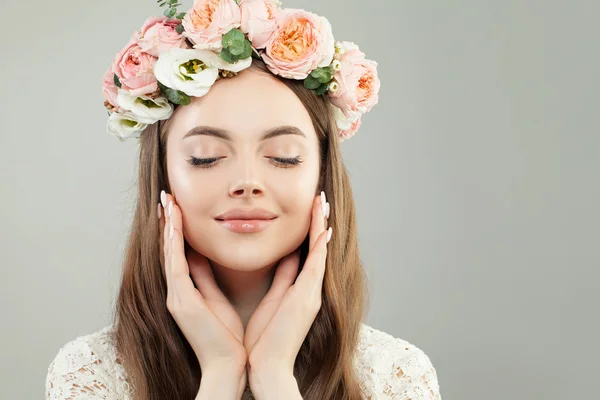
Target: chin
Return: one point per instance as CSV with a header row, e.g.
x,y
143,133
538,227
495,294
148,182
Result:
x,y
247,255
247,251
249,261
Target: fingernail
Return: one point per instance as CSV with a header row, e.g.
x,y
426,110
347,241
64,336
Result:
x,y
329,232
163,198
170,231
159,212
170,209
328,210
323,203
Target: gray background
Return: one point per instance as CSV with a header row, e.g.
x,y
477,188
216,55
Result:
x,y
476,181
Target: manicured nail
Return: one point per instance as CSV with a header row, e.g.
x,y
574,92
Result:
x,y
329,232
163,198
328,210
171,230
170,209
323,203
159,212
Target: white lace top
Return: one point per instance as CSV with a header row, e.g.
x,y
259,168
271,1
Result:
x,y
387,367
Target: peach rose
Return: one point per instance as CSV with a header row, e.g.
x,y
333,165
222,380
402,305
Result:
x,y
135,69
302,42
109,90
358,81
259,20
208,20
158,34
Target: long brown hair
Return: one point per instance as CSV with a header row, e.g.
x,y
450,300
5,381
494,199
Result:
x,y
160,363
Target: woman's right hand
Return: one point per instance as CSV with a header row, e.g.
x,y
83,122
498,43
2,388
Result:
x,y
205,316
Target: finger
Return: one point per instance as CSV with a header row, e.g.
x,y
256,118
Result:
x,y
161,233
203,276
179,269
317,223
285,274
165,236
310,280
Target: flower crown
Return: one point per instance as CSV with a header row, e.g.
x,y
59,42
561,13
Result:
x,y
180,55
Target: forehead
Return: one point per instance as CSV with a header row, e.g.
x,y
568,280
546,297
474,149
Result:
x,y
246,105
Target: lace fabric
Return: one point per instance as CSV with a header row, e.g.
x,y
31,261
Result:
x,y
388,368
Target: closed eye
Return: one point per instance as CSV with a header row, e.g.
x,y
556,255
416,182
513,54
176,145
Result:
x,y
287,161
203,162
212,161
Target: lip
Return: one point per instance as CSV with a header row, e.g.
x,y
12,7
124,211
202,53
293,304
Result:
x,y
246,214
246,225
240,220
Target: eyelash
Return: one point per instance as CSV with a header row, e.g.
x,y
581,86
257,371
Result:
x,y
210,162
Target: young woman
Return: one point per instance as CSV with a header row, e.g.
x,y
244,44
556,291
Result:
x,y
242,277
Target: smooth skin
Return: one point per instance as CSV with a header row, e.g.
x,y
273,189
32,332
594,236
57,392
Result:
x,y
265,353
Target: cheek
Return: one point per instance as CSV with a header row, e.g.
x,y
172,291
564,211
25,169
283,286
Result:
x,y
194,193
295,196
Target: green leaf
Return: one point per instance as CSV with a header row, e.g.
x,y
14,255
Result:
x,y
311,82
237,49
180,16
170,13
236,34
323,74
177,97
247,50
322,89
179,28
233,37
226,55
117,81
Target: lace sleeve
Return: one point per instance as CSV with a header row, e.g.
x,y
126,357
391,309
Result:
x,y
413,375
77,372
391,368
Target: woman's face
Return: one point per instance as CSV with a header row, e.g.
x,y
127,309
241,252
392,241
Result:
x,y
277,173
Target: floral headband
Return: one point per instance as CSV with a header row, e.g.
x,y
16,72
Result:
x,y
180,55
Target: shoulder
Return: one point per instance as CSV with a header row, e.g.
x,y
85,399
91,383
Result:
x,y
86,367
393,368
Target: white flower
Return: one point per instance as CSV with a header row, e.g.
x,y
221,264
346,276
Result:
x,y
336,65
215,59
124,125
333,86
146,109
193,71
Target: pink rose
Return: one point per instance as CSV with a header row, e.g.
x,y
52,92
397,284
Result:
x,y
259,20
110,90
347,124
158,34
135,69
208,20
302,42
348,133
358,81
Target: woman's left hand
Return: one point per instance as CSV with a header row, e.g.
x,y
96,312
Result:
x,y
280,323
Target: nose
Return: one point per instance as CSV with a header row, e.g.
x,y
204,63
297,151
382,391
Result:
x,y
248,183
248,189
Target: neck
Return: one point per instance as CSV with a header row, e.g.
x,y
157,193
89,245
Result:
x,y
244,289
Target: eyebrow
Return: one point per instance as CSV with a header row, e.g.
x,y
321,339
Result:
x,y
224,134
